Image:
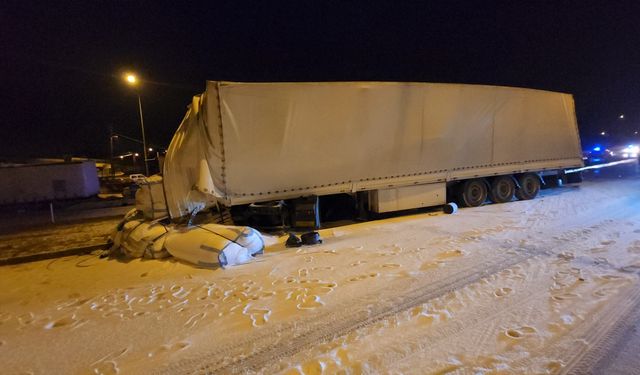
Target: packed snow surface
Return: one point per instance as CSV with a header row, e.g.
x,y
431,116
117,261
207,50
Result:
x,y
525,287
52,238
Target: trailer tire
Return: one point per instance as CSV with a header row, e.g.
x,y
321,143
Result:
x,y
529,186
502,189
473,192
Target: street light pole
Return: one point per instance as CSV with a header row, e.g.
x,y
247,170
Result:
x,y
132,80
112,172
144,140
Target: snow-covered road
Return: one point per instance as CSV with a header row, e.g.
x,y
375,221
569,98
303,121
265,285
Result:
x,y
541,286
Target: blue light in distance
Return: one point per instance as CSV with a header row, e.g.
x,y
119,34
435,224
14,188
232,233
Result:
x,y
597,148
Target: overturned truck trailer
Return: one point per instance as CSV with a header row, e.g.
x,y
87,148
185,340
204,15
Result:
x,y
271,149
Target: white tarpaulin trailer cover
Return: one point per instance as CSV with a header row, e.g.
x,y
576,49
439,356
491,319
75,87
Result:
x,y
249,142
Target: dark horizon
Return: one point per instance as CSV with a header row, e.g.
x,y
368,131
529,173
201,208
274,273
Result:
x,y
62,87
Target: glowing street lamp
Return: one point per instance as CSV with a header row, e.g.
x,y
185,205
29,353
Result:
x,y
621,116
603,133
132,80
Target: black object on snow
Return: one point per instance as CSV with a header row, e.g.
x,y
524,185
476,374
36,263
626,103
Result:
x,y
311,238
450,208
293,241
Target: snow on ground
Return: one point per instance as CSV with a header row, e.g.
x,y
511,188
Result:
x,y
54,238
31,233
524,287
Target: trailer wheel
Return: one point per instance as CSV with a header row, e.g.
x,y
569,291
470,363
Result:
x,y
473,193
529,186
502,189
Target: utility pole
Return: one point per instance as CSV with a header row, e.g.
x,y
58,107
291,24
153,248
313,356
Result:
x,y
132,81
113,172
144,140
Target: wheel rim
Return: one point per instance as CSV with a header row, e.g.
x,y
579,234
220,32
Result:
x,y
504,189
475,194
529,186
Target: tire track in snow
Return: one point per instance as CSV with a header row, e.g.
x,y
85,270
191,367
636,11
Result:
x,y
592,337
487,318
612,322
614,312
327,329
309,333
458,325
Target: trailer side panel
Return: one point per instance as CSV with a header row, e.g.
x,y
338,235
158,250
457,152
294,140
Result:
x,y
283,138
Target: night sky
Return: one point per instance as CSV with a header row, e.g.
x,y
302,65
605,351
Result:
x,y
61,66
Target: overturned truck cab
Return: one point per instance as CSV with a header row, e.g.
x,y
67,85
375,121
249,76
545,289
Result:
x,y
277,154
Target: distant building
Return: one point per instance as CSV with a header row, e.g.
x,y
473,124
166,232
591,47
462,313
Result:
x,y
44,180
